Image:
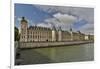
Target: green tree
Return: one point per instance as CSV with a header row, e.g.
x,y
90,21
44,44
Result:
x,y
16,33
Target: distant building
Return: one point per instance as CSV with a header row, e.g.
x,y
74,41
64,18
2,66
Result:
x,y
91,37
36,33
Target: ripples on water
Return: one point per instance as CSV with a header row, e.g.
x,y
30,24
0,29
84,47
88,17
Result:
x,y
84,52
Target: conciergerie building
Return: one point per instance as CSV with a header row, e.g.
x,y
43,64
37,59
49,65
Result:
x,y
37,33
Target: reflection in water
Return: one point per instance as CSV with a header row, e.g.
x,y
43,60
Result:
x,y
83,52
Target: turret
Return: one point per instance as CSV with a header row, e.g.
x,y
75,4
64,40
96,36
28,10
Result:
x,y
59,34
53,33
24,27
71,33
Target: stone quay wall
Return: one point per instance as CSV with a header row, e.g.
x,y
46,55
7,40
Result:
x,y
49,44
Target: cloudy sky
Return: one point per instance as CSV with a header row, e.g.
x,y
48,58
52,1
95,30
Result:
x,y
66,17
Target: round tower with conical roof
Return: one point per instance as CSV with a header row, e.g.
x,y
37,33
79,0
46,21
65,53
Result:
x,y
59,34
53,33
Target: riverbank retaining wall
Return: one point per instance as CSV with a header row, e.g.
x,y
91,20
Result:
x,y
48,44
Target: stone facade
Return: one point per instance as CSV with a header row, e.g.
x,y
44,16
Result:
x,y
36,33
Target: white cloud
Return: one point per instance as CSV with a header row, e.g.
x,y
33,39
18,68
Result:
x,y
65,18
51,20
44,25
19,18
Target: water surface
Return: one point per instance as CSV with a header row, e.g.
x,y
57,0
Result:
x,y
84,52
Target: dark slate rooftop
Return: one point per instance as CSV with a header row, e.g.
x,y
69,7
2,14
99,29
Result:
x,y
38,28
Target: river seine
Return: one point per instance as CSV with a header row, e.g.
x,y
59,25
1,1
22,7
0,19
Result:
x,y
83,52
